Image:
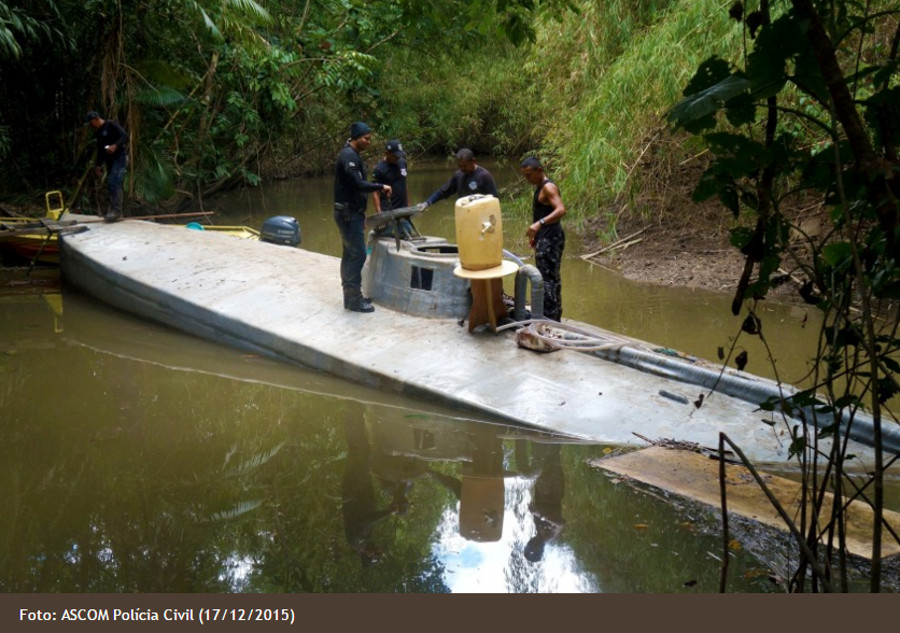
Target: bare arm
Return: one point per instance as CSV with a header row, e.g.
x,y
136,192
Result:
x,y
549,195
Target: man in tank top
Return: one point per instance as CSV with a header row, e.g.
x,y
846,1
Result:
x,y
545,234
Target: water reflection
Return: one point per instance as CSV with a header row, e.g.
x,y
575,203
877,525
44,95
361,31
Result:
x,y
546,505
137,459
359,505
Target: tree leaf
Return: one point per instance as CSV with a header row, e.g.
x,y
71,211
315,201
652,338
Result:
x,y
741,237
697,109
837,253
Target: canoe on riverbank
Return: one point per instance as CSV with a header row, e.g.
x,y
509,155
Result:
x,y
286,303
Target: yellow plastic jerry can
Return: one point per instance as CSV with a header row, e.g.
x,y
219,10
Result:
x,y
479,232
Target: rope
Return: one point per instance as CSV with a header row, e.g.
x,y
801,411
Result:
x,y
565,336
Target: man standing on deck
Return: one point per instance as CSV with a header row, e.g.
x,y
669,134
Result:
x,y
545,234
469,178
351,190
392,170
112,149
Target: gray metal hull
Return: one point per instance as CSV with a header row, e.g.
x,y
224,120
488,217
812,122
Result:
x,y
286,303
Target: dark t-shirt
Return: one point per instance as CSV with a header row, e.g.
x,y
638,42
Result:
x,y
110,133
393,174
462,184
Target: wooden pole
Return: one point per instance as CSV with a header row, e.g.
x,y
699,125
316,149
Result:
x,y
614,244
162,216
44,227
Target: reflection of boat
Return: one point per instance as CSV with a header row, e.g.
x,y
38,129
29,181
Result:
x,y
286,303
35,240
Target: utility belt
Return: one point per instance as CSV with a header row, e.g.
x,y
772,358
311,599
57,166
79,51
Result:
x,y
346,212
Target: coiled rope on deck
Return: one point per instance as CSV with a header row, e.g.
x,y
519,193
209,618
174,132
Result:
x,y
546,335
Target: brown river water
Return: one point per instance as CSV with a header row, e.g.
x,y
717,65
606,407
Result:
x,y
140,459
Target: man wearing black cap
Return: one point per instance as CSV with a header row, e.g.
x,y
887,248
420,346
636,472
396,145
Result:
x,y
112,149
392,171
351,189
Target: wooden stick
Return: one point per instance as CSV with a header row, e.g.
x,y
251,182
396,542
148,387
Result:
x,y
614,244
33,230
162,216
794,278
631,243
53,226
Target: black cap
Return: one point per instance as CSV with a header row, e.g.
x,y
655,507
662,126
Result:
x,y
90,116
395,147
359,129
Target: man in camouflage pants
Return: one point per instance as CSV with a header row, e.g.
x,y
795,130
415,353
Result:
x,y
545,234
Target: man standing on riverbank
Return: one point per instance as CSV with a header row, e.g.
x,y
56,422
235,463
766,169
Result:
x,y
545,234
470,178
351,190
112,149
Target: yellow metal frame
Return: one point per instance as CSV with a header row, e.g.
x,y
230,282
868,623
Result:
x,y
54,213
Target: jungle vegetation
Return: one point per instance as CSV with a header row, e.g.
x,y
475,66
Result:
x,y
813,107
234,93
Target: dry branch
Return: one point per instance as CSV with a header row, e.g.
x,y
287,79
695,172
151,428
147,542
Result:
x,y
616,244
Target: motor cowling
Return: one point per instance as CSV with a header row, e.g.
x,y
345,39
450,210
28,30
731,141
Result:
x,y
281,229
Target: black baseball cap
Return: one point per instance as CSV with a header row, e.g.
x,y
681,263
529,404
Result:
x,y
395,147
90,116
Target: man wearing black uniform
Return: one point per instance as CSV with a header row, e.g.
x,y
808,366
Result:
x,y
470,178
545,234
392,171
351,190
112,149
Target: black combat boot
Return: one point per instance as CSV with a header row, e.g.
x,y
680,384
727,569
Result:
x,y
353,300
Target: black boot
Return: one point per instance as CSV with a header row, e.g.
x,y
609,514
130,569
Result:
x,y
353,300
361,304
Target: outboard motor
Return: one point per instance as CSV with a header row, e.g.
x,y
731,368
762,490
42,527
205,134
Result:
x,y
281,229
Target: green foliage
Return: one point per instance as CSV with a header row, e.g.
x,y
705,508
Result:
x,y
22,26
484,107
603,93
210,88
154,182
835,140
